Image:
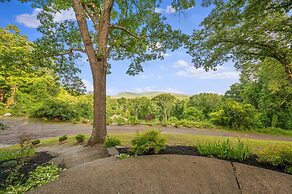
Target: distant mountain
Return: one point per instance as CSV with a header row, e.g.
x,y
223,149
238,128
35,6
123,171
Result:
x,y
146,94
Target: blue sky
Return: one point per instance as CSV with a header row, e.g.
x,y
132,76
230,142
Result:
x,y
174,74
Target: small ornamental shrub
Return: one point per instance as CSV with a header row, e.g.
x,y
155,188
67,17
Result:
x,y
63,138
111,142
3,126
80,138
148,142
226,150
35,142
277,155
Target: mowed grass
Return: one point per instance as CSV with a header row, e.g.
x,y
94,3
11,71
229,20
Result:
x,y
172,139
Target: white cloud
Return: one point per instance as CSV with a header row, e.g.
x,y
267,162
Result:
x,y
169,9
64,15
112,91
88,85
150,76
181,64
187,70
166,54
31,21
158,10
153,88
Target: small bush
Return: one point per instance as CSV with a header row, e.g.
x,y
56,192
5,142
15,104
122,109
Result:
x,y
80,138
123,156
111,142
148,142
225,150
3,126
63,138
35,142
277,155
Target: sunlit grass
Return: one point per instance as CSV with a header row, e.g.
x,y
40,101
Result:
x,y
172,139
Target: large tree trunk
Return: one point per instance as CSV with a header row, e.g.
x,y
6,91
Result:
x,y
99,131
98,64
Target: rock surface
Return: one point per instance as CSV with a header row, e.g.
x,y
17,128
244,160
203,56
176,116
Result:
x,y
167,174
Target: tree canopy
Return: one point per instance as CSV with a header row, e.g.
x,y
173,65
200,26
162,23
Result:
x,y
244,31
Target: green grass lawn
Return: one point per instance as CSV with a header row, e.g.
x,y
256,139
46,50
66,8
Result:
x,y
172,139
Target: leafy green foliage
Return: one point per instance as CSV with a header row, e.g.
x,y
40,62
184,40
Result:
x,y
277,155
7,154
226,34
123,156
150,141
226,150
269,92
41,175
111,142
235,115
80,138
56,109
35,142
63,138
165,103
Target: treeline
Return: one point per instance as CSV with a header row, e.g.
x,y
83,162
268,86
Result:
x,y
250,104
30,87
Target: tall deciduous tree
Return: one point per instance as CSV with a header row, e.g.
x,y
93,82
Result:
x,y
244,31
105,30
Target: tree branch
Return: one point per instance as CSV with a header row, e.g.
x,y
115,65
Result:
x,y
65,52
127,31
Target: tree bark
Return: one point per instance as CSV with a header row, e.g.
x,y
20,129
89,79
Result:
x,y
98,65
288,71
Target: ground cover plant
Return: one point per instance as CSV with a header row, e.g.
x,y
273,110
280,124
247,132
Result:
x,y
226,150
277,155
16,183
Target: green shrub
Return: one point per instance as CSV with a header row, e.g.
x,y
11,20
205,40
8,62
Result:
x,y
226,150
111,142
147,142
235,115
63,138
277,155
80,138
56,109
35,142
123,156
